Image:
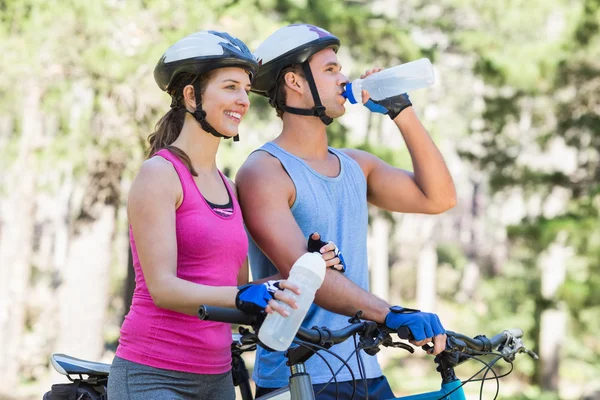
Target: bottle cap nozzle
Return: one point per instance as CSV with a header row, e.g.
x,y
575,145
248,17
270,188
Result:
x,y
348,93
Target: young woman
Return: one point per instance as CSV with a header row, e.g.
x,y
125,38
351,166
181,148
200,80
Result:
x,y
187,236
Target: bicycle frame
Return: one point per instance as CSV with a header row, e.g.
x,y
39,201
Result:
x,y
459,349
306,393
457,394
451,385
300,387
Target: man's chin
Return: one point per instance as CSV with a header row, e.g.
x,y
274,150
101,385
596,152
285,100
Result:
x,y
338,112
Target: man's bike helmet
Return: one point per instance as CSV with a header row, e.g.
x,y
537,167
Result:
x,y
291,45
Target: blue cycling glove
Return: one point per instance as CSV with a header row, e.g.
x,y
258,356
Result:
x,y
254,299
391,106
314,246
422,325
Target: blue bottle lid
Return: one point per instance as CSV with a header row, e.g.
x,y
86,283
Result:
x,y
348,93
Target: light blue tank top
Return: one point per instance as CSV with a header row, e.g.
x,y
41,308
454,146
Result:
x,y
337,209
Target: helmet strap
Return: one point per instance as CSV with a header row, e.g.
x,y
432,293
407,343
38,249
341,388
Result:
x,y
318,110
200,115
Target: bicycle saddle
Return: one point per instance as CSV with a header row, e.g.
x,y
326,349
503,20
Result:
x,y
68,365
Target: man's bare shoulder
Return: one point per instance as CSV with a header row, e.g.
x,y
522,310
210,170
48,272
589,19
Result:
x,y
262,175
360,156
365,160
262,166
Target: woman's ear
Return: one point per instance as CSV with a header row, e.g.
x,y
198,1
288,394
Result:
x,y
189,97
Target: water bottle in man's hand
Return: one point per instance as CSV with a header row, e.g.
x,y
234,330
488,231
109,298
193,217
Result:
x,y
392,81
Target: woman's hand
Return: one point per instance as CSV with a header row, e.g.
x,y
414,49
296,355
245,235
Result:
x,y
328,250
284,297
259,298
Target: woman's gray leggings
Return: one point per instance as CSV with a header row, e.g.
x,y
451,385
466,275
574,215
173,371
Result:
x,y
132,381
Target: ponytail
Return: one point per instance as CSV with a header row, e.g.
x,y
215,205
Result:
x,y
169,127
167,131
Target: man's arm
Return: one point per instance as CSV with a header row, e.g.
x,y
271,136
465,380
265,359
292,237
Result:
x,y
430,190
266,193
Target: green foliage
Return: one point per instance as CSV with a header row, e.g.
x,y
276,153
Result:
x,y
539,60
589,26
452,255
546,92
372,38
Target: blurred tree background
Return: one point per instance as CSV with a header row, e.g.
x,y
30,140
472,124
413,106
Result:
x,y
515,111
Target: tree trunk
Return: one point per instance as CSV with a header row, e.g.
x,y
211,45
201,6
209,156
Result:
x,y
84,291
426,277
46,330
42,308
553,319
552,333
380,259
469,282
16,241
15,270
472,273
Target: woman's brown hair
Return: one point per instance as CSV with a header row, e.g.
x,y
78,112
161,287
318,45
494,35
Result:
x,y
169,127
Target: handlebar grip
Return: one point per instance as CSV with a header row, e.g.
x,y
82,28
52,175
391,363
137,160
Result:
x,y
228,315
516,332
404,333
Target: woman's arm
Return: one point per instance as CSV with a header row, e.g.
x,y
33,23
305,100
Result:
x,y
244,274
152,203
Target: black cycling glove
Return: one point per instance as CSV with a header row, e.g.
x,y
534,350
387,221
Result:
x,y
391,106
314,246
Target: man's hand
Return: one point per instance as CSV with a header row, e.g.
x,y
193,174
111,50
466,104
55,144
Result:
x,y
329,251
391,106
424,327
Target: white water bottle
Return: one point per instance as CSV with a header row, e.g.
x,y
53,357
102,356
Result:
x,y
308,272
392,81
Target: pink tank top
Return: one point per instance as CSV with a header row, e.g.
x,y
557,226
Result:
x,y
210,250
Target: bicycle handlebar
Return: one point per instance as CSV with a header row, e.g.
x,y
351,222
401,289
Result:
x,y
317,335
481,343
228,315
313,335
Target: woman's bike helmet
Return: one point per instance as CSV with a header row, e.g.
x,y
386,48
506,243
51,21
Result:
x,y
198,54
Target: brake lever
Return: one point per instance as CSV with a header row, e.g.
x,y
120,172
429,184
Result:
x,y
404,333
517,347
388,342
531,353
522,349
371,338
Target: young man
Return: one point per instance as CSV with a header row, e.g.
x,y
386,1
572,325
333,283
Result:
x,y
296,185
